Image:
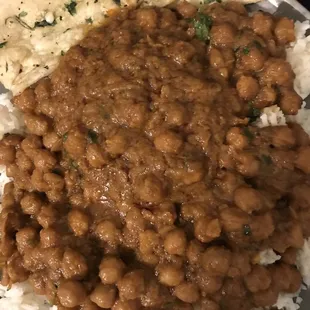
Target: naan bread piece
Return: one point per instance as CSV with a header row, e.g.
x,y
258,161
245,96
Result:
x,y
34,34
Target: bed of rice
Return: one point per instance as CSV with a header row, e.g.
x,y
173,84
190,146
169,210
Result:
x,y
21,297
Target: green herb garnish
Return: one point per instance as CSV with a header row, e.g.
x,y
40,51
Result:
x,y
247,231
3,44
44,23
118,2
71,7
89,20
65,137
92,136
202,24
22,14
254,113
62,53
266,159
248,133
74,164
57,171
246,51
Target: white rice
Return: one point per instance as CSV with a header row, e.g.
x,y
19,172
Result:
x,y
21,296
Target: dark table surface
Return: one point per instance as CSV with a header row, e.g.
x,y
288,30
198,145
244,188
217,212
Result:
x,y
305,3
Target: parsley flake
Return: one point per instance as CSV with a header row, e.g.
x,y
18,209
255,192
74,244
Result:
x,y
246,51
71,7
62,53
266,159
22,14
44,23
3,44
202,24
89,20
248,133
254,113
247,231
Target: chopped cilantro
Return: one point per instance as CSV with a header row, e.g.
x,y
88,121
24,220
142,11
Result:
x,y
74,164
3,44
246,50
65,137
57,171
92,136
202,24
22,14
118,2
89,20
62,53
71,7
248,133
266,159
44,23
247,230
254,113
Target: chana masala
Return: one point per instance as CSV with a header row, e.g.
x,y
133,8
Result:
x,y
141,181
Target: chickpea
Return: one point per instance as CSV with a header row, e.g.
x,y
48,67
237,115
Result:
x,y
53,257
263,24
186,9
7,154
74,265
104,296
208,304
248,199
266,97
208,285
88,305
187,292
207,229
247,87
149,240
132,285
26,238
75,143
302,160
175,114
79,222
31,144
52,141
147,18
111,270
95,156
265,298
71,294
233,219
247,164
149,188
117,144
108,232
44,160
31,203
193,252
216,58
26,101
175,242
192,211
126,305
259,279
236,138
223,35
250,59
170,275
49,238
36,124
168,142
47,216
285,31
290,101
216,260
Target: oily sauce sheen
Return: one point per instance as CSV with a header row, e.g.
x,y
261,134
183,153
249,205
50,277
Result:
x,y
141,182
